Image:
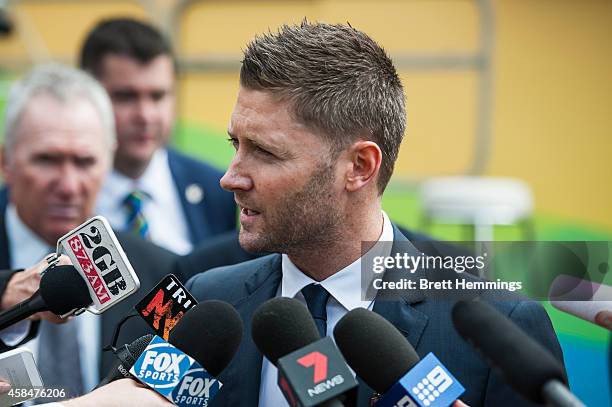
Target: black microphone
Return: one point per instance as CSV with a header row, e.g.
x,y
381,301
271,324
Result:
x,y
526,365
61,290
387,362
284,331
210,332
374,348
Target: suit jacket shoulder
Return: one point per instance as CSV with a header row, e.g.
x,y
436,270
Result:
x,y
233,283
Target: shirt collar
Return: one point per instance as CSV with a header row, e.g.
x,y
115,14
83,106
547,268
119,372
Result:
x,y
25,246
117,186
345,285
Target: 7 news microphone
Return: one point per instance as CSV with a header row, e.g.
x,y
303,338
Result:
x,y
526,365
62,289
387,362
311,370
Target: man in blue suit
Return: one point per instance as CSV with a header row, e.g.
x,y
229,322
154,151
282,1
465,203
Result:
x,y
317,127
154,191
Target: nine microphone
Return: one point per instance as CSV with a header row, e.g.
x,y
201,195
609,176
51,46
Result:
x,y
527,366
386,361
311,371
62,289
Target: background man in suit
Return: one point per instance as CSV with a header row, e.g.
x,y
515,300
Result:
x,y
155,191
316,141
59,141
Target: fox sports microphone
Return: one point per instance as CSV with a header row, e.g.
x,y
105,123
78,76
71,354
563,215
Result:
x,y
526,365
311,371
62,289
386,361
210,333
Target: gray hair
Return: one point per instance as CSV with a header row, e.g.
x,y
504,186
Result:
x,y
63,83
338,80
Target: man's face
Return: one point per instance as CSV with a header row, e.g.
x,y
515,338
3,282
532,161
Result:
x,y
287,187
143,102
57,164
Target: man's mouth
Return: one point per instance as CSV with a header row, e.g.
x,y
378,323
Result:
x,y
63,211
248,212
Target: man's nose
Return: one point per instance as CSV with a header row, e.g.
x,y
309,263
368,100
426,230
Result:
x,y
69,180
146,110
236,178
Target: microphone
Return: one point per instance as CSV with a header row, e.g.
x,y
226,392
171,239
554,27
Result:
x,y
526,365
388,363
126,355
584,299
311,371
209,334
62,289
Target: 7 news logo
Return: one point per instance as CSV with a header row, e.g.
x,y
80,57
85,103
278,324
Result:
x,y
314,374
319,362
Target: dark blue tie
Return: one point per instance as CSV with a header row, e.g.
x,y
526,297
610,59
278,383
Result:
x,y
316,299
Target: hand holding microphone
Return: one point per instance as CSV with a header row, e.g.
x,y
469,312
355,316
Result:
x,y
24,284
61,290
124,392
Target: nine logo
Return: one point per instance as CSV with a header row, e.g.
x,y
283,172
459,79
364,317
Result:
x,y
427,384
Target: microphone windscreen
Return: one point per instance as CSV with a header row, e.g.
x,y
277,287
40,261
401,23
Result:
x,y
282,325
136,348
210,332
526,365
64,289
374,348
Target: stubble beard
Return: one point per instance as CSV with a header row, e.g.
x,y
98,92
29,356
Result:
x,y
304,222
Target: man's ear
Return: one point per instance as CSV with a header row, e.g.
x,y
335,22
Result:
x,y
365,158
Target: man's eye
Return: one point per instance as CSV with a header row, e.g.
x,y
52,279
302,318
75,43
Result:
x,y
233,142
85,162
157,96
45,159
264,152
121,96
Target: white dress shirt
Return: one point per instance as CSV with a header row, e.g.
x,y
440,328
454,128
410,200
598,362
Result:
x,y
345,292
163,211
27,249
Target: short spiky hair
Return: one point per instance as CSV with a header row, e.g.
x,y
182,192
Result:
x,y
338,80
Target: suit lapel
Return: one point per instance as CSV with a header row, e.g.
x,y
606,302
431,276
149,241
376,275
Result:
x,y
198,224
400,311
245,368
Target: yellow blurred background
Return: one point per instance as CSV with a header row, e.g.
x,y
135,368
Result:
x,y
541,92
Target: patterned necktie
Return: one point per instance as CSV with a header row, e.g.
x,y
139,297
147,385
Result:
x,y
316,299
58,359
136,222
